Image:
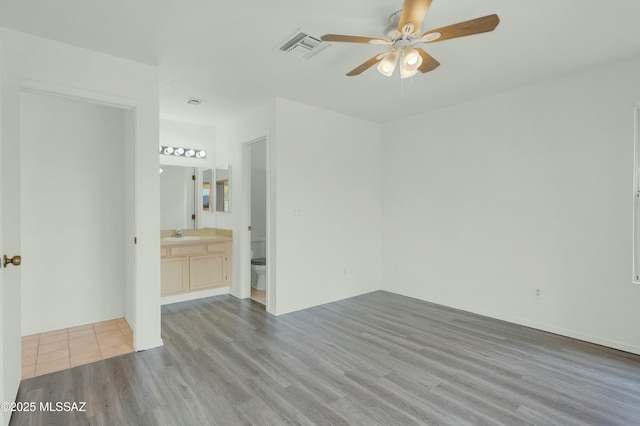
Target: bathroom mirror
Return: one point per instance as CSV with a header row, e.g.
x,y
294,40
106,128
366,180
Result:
x,y
184,203
223,189
179,197
207,179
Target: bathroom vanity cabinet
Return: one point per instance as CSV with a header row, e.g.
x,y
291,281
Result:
x,y
194,264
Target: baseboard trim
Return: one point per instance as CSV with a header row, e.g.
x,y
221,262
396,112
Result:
x,y
614,344
184,297
149,345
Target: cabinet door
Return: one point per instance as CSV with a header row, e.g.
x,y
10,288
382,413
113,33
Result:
x,y
174,275
207,271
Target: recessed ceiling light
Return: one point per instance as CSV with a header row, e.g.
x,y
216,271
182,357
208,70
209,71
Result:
x,y
194,101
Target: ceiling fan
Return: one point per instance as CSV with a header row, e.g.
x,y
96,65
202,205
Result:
x,y
404,33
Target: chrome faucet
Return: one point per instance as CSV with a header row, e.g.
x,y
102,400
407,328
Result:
x,y
178,233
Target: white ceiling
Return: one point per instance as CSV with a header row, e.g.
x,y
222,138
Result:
x,y
224,50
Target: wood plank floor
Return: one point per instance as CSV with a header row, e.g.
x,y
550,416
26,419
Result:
x,y
376,359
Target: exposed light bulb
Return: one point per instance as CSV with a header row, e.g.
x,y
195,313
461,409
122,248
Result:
x,y
388,63
182,152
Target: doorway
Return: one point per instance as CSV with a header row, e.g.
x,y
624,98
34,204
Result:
x,y
29,64
259,268
77,209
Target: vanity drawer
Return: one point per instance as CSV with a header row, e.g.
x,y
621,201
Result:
x,y
186,250
217,248
164,252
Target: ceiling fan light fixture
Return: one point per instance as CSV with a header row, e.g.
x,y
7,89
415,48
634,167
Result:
x,y
404,31
388,64
404,73
430,37
411,59
408,29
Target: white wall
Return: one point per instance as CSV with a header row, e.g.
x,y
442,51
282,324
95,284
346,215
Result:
x,y
326,165
188,135
230,148
487,201
72,213
328,206
48,66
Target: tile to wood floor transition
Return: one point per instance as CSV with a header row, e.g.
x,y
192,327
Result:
x,y
259,296
61,349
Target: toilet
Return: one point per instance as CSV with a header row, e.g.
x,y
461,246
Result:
x,y
258,273
258,265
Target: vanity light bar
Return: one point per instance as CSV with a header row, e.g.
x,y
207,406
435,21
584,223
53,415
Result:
x,y
183,152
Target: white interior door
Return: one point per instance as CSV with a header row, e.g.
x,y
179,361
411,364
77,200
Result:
x,y
10,348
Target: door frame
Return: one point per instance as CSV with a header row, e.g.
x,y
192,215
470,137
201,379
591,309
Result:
x,y
130,107
270,231
10,344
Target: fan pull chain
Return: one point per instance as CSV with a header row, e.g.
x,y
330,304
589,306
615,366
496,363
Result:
x,y
402,88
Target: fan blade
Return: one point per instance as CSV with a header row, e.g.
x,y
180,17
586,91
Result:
x,y
413,12
353,39
462,29
428,62
366,65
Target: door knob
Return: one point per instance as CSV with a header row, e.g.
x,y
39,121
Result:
x,y
15,260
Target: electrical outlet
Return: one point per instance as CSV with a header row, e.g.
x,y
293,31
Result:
x,y
538,292
397,268
297,211
345,271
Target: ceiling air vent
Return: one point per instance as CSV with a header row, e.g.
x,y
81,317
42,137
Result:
x,y
302,44
194,101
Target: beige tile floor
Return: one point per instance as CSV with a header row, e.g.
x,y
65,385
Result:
x,y
61,349
259,296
